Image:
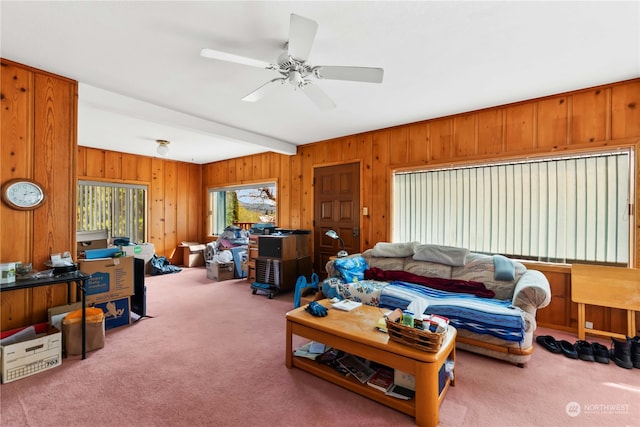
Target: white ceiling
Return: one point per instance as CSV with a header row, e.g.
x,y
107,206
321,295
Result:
x,y
141,76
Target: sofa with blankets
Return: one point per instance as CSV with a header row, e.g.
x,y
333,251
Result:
x,y
490,299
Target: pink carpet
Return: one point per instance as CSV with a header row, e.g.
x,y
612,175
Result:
x,y
213,355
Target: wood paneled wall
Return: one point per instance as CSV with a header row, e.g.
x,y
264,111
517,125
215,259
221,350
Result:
x,y
38,142
174,197
602,117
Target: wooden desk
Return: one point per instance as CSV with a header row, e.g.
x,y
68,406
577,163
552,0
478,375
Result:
x,y
77,277
355,332
614,287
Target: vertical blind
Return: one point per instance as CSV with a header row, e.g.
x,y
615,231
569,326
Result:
x,y
557,210
120,208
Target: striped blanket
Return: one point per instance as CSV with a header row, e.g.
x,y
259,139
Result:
x,y
464,311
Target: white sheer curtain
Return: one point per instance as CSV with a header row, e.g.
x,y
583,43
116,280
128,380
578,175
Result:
x,y
561,209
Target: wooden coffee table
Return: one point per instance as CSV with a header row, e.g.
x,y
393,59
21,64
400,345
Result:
x,y
355,332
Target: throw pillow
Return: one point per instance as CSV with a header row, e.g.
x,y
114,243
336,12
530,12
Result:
x,y
447,255
351,268
504,268
394,250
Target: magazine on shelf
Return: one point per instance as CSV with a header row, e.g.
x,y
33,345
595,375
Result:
x,y
310,350
330,358
400,392
382,379
404,379
356,368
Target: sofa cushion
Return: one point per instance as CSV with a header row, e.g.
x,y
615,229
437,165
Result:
x,y
385,249
447,255
426,268
385,263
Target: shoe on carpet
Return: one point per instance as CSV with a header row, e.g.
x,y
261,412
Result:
x,y
585,351
549,342
568,349
600,352
635,351
620,352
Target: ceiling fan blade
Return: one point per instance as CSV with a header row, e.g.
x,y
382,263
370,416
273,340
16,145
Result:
x,y
302,32
357,74
318,97
229,57
259,93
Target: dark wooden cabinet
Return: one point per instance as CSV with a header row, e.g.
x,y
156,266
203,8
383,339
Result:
x,y
281,260
251,259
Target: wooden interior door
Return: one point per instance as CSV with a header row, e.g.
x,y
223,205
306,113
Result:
x,y
337,207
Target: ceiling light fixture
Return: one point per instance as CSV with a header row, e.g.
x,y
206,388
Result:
x,y
163,147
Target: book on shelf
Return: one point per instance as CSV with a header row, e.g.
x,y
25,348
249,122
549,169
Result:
x,y
400,392
357,368
310,350
404,379
382,379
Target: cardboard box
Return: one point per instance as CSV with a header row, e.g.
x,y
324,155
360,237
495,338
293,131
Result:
x,y
56,314
116,313
192,254
143,251
111,278
89,240
33,356
220,270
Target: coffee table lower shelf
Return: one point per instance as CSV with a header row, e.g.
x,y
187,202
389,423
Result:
x,y
424,366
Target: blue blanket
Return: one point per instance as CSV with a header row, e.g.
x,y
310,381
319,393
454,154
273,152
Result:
x,y
464,311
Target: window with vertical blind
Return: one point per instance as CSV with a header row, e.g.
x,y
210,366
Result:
x,y
119,208
568,209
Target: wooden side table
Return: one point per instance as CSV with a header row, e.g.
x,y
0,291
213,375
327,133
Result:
x,y
613,287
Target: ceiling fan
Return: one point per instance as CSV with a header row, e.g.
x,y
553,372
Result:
x,y
293,67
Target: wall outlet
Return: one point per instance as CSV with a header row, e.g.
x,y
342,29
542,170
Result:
x,y
588,325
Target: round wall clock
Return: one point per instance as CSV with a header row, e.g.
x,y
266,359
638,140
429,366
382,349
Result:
x,y
23,194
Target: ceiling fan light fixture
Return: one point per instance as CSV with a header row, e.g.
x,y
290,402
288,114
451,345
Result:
x,y
163,147
295,78
292,65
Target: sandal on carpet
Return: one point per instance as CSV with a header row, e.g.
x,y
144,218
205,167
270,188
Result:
x,y
549,342
568,349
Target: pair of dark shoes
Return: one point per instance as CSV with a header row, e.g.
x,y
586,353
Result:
x,y
583,350
626,352
592,352
557,347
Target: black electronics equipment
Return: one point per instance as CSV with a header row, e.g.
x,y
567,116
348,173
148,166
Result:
x,y
139,298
